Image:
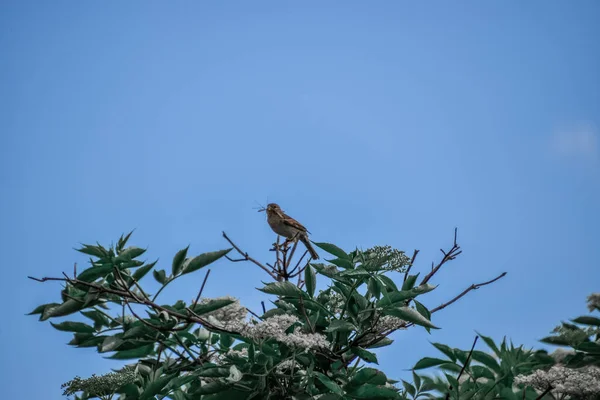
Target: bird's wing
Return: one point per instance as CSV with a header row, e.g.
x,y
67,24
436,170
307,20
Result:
x,y
287,220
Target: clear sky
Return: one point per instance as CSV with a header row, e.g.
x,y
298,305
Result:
x,y
370,122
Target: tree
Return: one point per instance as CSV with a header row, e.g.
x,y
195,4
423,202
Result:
x,y
308,345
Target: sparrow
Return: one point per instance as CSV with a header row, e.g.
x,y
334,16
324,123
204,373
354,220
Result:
x,y
286,226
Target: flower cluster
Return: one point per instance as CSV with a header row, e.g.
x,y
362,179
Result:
x,y
100,385
275,328
583,382
228,317
390,259
593,301
388,322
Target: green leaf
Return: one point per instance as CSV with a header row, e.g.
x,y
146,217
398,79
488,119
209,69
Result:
x,y
590,347
139,352
364,354
486,360
381,343
339,325
96,251
333,249
178,261
368,375
342,263
123,241
587,320
211,305
373,286
446,350
203,260
93,273
556,340
479,371
369,391
142,271
310,278
285,288
160,276
428,362
490,343
416,380
409,388
40,309
409,283
410,315
423,311
110,343
155,387
450,367
99,319
387,283
331,385
129,254
69,326
68,307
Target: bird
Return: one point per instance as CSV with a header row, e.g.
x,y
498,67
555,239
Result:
x,y
286,226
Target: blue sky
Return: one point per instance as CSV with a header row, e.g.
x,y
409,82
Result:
x,y
372,123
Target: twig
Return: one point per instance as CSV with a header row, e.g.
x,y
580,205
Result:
x,y
303,309
412,261
253,313
291,255
448,256
299,261
464,365
467,290
277,259
247,257
75,271
541,396
262,303
201,289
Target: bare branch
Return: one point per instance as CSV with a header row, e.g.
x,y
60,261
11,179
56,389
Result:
x,y
467,290
448,256
201,289
412,262
464,366
246,257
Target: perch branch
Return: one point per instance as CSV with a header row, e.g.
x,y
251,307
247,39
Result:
x,y
246,257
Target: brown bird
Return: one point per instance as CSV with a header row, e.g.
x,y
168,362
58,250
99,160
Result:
x,y
286,226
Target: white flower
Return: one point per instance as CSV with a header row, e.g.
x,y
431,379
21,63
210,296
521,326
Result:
x,y
229,317
388,322
593,301
275,328
582,382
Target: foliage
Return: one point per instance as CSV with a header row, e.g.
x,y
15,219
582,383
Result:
x,y
308,345
512,373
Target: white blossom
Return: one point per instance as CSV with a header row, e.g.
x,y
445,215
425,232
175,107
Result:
x,y
229,317
581,382
285,365
389,322
275,328
593,301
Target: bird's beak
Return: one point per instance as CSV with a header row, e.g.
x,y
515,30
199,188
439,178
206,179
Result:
x,y
262,210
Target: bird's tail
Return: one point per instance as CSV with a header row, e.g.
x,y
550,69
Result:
x,y
309,247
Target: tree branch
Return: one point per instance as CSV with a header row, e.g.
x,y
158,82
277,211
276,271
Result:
x,y
448,256
246,257
467,290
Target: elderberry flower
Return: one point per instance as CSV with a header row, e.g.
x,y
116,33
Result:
x,y
593,301
582,382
